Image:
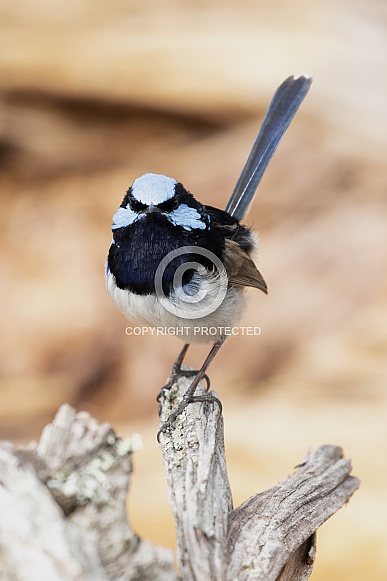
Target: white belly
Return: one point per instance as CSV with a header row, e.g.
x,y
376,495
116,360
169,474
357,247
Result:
x,y
204,321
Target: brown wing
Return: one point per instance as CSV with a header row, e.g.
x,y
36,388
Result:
x,y
241,269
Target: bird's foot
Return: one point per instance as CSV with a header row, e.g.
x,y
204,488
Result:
x,y
206,397
176,373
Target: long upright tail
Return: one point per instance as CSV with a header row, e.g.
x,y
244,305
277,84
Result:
x,y
283,106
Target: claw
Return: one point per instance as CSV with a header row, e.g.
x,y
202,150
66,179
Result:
x,y
189,395
207,397
175,376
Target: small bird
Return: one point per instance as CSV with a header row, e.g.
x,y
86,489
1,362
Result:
x,y
179,264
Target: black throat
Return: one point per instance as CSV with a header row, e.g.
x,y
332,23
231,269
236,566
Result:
x,y
138,250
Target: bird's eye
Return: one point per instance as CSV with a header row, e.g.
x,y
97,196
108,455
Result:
x,y
169,205
136,206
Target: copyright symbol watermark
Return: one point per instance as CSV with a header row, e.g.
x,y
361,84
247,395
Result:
x,y
204,291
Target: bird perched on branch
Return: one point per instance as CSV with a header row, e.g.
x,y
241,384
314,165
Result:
x,y
179,264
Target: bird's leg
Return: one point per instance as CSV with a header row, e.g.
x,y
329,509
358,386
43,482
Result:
x,y
177,372
176,367
189,395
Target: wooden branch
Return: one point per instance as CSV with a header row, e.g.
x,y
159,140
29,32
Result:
x,y
63,506
269,537
199,492
283,518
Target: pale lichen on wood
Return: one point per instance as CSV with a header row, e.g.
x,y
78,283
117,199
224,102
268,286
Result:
x,y
63,512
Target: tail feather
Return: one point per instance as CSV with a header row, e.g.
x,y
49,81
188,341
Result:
x,y
283,106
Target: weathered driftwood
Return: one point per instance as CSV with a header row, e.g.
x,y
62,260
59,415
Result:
x,y
63,506
269,537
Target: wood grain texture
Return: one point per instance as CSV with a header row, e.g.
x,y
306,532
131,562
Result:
x,y
271,536
63,508
199,491
64,515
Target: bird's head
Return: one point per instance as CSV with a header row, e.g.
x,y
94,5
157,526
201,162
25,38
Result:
x,y
154,194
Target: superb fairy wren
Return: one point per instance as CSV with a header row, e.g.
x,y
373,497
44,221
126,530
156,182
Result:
x,y
179,264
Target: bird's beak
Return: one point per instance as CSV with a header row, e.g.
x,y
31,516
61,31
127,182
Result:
x,y
151,209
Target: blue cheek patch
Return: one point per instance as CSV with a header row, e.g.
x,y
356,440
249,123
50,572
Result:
x,y
124,217
186,217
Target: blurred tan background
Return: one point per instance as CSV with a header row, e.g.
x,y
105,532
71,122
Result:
x,y
95,93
